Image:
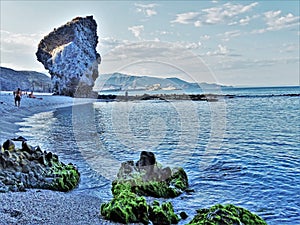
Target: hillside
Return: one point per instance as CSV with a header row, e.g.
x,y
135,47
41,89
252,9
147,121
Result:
x,y
26,80
119,81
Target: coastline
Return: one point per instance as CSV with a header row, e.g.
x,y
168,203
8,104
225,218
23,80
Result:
x,y
37,206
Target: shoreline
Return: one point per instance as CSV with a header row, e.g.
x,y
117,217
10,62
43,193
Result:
x,y
36,206
12,115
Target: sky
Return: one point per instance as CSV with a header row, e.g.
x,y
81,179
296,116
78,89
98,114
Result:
x,y
240,43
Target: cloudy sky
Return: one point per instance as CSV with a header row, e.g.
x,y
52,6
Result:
x,y
248,43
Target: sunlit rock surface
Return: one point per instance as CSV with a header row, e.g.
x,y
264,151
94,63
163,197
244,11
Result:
x,y
69,53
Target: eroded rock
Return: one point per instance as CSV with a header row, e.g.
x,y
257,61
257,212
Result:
x,y
69,53
30,167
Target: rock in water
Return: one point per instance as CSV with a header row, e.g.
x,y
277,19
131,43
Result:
x,y
69,53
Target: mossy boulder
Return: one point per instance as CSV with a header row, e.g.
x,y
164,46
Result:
x,y
149,178
162,215
30,167
144,178
226,215
126,206
66,176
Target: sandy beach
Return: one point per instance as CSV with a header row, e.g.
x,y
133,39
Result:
x,y
42,206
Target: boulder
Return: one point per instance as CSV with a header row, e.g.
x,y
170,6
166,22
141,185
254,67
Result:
x,y
69,54
126,206
226,215
146,177
30,167
8,145
149,178
162,214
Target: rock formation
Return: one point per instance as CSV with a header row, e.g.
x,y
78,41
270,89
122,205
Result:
x,y
226,214
69,53
31,167
146,177
149,178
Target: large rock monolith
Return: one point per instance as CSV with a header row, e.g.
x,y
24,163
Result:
x,y
69,54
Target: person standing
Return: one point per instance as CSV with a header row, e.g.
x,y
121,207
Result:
x,y
17,95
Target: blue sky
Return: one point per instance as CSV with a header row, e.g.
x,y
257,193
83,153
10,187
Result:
x,y
248,43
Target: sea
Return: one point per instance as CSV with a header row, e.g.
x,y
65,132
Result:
x,y
243,149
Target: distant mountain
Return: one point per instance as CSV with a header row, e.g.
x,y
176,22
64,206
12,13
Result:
x,y
26,80
119,81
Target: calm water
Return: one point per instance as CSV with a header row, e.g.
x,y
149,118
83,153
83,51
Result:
x,y
243,151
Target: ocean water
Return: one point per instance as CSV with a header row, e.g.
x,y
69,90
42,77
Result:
x,y
244,150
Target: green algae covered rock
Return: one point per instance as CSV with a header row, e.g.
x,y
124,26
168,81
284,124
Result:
x,y
162,215
144,178
66,176
149,178
226,215
30,167
126,206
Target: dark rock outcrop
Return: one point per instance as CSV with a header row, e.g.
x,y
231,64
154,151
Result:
x,y
69,53
31,167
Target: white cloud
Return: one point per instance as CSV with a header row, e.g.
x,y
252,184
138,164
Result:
x,y
136,30
18,50
221,14
276,21
25,40
216,15
186,18
205,37
245,21
147,9
198,23
220,51
229,34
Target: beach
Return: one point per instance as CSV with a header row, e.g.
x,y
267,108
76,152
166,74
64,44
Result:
x,y
42,206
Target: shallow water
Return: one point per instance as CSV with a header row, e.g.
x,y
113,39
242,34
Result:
x,y
243,151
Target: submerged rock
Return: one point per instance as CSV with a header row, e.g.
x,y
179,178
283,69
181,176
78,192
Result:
x,y
30,167
69,53
226,215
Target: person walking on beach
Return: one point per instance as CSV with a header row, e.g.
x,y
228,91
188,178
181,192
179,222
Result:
x,y
17,95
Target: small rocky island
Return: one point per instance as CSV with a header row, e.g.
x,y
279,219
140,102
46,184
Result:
x,y
30,167
147,177
69,53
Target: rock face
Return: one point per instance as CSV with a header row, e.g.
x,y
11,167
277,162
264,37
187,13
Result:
x,y
69,53
33,168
